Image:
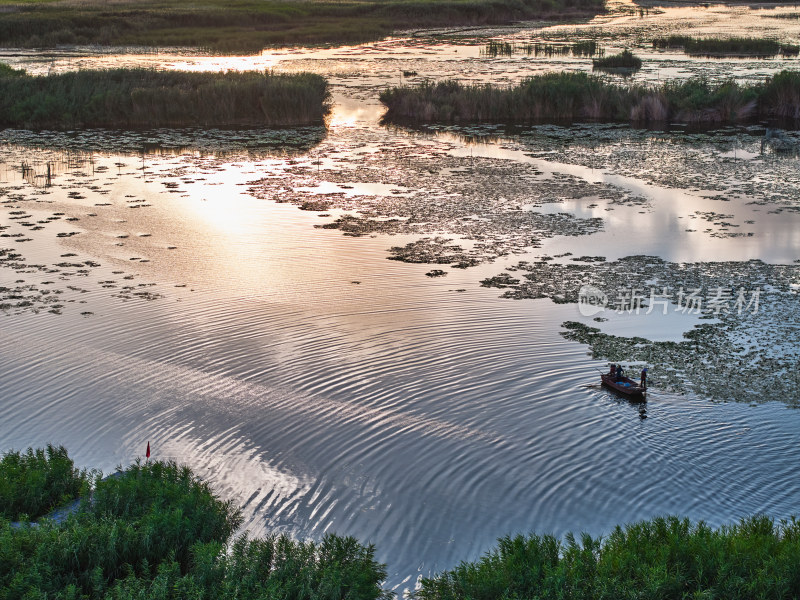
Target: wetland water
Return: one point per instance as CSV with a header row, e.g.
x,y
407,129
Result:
x,y
166,286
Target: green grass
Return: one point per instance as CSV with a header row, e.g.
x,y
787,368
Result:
x,y
142,98
158,532
725,46
249,25
580,96
34,482
664,558
624,60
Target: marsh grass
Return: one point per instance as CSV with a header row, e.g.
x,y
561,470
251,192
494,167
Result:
x,y
740,46
141,98
249,26
8,71
666,557
581,48
580,96
625,60
34,482
156,531
586,48
495,48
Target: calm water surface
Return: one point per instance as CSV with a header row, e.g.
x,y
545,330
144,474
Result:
x,y
325,388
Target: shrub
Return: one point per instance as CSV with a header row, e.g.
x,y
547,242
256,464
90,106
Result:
x,y
623,60
156,531
666,557
34,482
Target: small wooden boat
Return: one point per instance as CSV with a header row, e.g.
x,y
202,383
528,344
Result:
x,y
625,386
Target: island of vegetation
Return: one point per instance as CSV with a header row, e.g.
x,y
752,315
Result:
x,y
145,98
155,531
739,46
625,61
580,96
249,25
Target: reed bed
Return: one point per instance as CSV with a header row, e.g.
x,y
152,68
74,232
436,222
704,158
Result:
x,y
740,46
34,482
158,532
664,558
250,25
142,98
580,96
581,48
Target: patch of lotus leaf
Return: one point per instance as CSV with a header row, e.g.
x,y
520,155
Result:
x,y
676,160
491,202
356,226
220,143
33,297
749,353
315,205
596,259
436,250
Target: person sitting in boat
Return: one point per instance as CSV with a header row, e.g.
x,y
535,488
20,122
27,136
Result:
x,y
643,381
620,373
612,370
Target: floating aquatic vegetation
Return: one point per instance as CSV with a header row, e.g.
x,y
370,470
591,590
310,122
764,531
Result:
x,y
490,202
434,251
716,161
76,146
37,291
754,306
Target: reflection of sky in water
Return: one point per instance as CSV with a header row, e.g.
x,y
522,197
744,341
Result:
x,y
326,388
394,409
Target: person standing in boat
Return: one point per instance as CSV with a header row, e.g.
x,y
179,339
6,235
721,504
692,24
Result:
x,y
643,381
620,373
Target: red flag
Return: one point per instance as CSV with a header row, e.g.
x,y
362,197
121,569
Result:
x,y
147,454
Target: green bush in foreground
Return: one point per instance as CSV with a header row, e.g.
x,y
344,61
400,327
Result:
x,y
143,98
34,482
664,558
157,532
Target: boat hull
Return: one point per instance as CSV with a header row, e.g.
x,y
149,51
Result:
x,y
627,387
